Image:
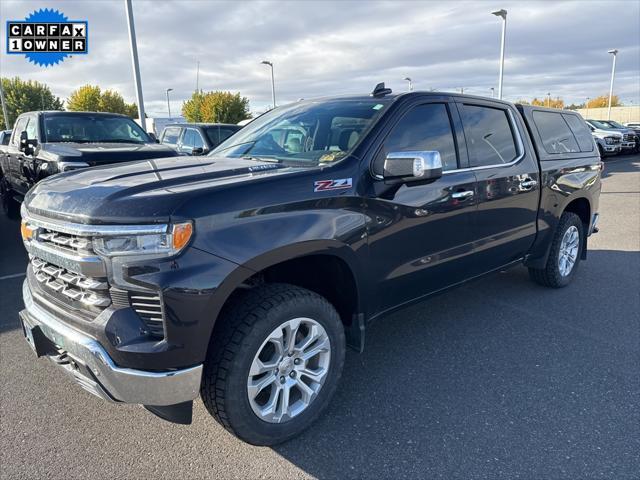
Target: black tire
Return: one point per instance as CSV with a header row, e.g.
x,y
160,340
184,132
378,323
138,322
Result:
x,y
246,323
601,151
550,276
10,206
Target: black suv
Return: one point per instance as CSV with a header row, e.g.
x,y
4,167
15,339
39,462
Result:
x,y
242,276
196,138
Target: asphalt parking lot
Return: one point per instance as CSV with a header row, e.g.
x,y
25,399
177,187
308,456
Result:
x,y
499,379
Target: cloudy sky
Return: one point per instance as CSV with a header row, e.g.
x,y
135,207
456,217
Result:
x,y
325,48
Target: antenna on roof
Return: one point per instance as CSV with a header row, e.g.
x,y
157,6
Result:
x,y
380,90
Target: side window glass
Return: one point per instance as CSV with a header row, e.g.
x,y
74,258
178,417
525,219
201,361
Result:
x,y
580,131
489,135
425,127
554,132
197,140
188,139
32,131
170,135
17,130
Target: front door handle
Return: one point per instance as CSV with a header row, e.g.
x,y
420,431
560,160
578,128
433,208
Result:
x,y
463,194
528,184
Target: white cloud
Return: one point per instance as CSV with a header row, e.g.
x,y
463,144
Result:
x,y
324,48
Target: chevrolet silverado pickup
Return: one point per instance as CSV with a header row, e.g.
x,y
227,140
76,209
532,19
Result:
x,y
242,276
45,143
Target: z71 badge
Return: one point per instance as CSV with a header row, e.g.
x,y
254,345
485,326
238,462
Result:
x,y
340,184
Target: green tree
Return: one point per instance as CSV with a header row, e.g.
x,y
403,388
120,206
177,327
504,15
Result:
x,y
216,107
192,108
90,98
26,96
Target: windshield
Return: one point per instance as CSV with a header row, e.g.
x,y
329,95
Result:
x,y
615,124
92,128
600,124
305,133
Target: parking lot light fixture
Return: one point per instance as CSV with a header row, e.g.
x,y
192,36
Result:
x,y
613,52
548,99
493,92
503,14
168,105
408,79
273,83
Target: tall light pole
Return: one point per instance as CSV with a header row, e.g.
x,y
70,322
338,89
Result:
x,y
501,13
273,82
493,92
168,105
408,79
587,106
548,99
136,66
613,52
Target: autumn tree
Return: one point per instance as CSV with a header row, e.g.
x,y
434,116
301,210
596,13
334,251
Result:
x,y
603,101
216,107
25,96
548,102
90,98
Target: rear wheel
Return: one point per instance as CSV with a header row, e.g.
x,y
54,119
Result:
x,y
274,364
10,206
564,256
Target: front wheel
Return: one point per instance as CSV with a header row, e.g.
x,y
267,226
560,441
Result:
x,y
564,256
274,364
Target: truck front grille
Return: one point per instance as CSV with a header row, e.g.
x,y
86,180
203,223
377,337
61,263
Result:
x,y
65,268
90,293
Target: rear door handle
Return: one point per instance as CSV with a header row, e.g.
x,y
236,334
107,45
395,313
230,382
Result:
x,y
528,184
463,194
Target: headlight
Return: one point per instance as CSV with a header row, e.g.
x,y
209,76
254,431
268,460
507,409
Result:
x,y
164,244
608,140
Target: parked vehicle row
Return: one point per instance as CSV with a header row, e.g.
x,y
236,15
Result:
x,y
613,138
242,276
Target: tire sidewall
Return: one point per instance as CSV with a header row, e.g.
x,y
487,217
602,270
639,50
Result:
x,y
240,414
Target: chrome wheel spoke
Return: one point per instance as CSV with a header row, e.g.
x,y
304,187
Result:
x,y
322,345
307,392
258,366
316,376
256,386
291,330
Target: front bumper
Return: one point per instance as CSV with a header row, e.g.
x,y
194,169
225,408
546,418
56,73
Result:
x,y
90,365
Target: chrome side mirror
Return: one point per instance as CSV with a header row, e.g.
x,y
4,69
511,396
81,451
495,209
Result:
x,y
412,166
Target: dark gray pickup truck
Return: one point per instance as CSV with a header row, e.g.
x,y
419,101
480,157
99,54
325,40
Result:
x,y
45,143
242,276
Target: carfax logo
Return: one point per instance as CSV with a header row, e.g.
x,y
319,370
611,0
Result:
x,y
46,37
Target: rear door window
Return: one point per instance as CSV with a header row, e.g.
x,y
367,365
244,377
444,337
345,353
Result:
x,y
580,131
555,133
171,135
489,135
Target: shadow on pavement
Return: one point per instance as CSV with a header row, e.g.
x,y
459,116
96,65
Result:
x,y
499,378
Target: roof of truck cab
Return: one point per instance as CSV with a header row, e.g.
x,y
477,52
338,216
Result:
x,y
66,113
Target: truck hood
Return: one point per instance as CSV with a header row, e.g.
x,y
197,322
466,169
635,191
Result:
x,y
102,153
139,192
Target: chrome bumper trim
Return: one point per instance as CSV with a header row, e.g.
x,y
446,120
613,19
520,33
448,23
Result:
x,y
109,381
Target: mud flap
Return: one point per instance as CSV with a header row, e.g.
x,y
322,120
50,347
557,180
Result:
x,y
355,333
181,413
